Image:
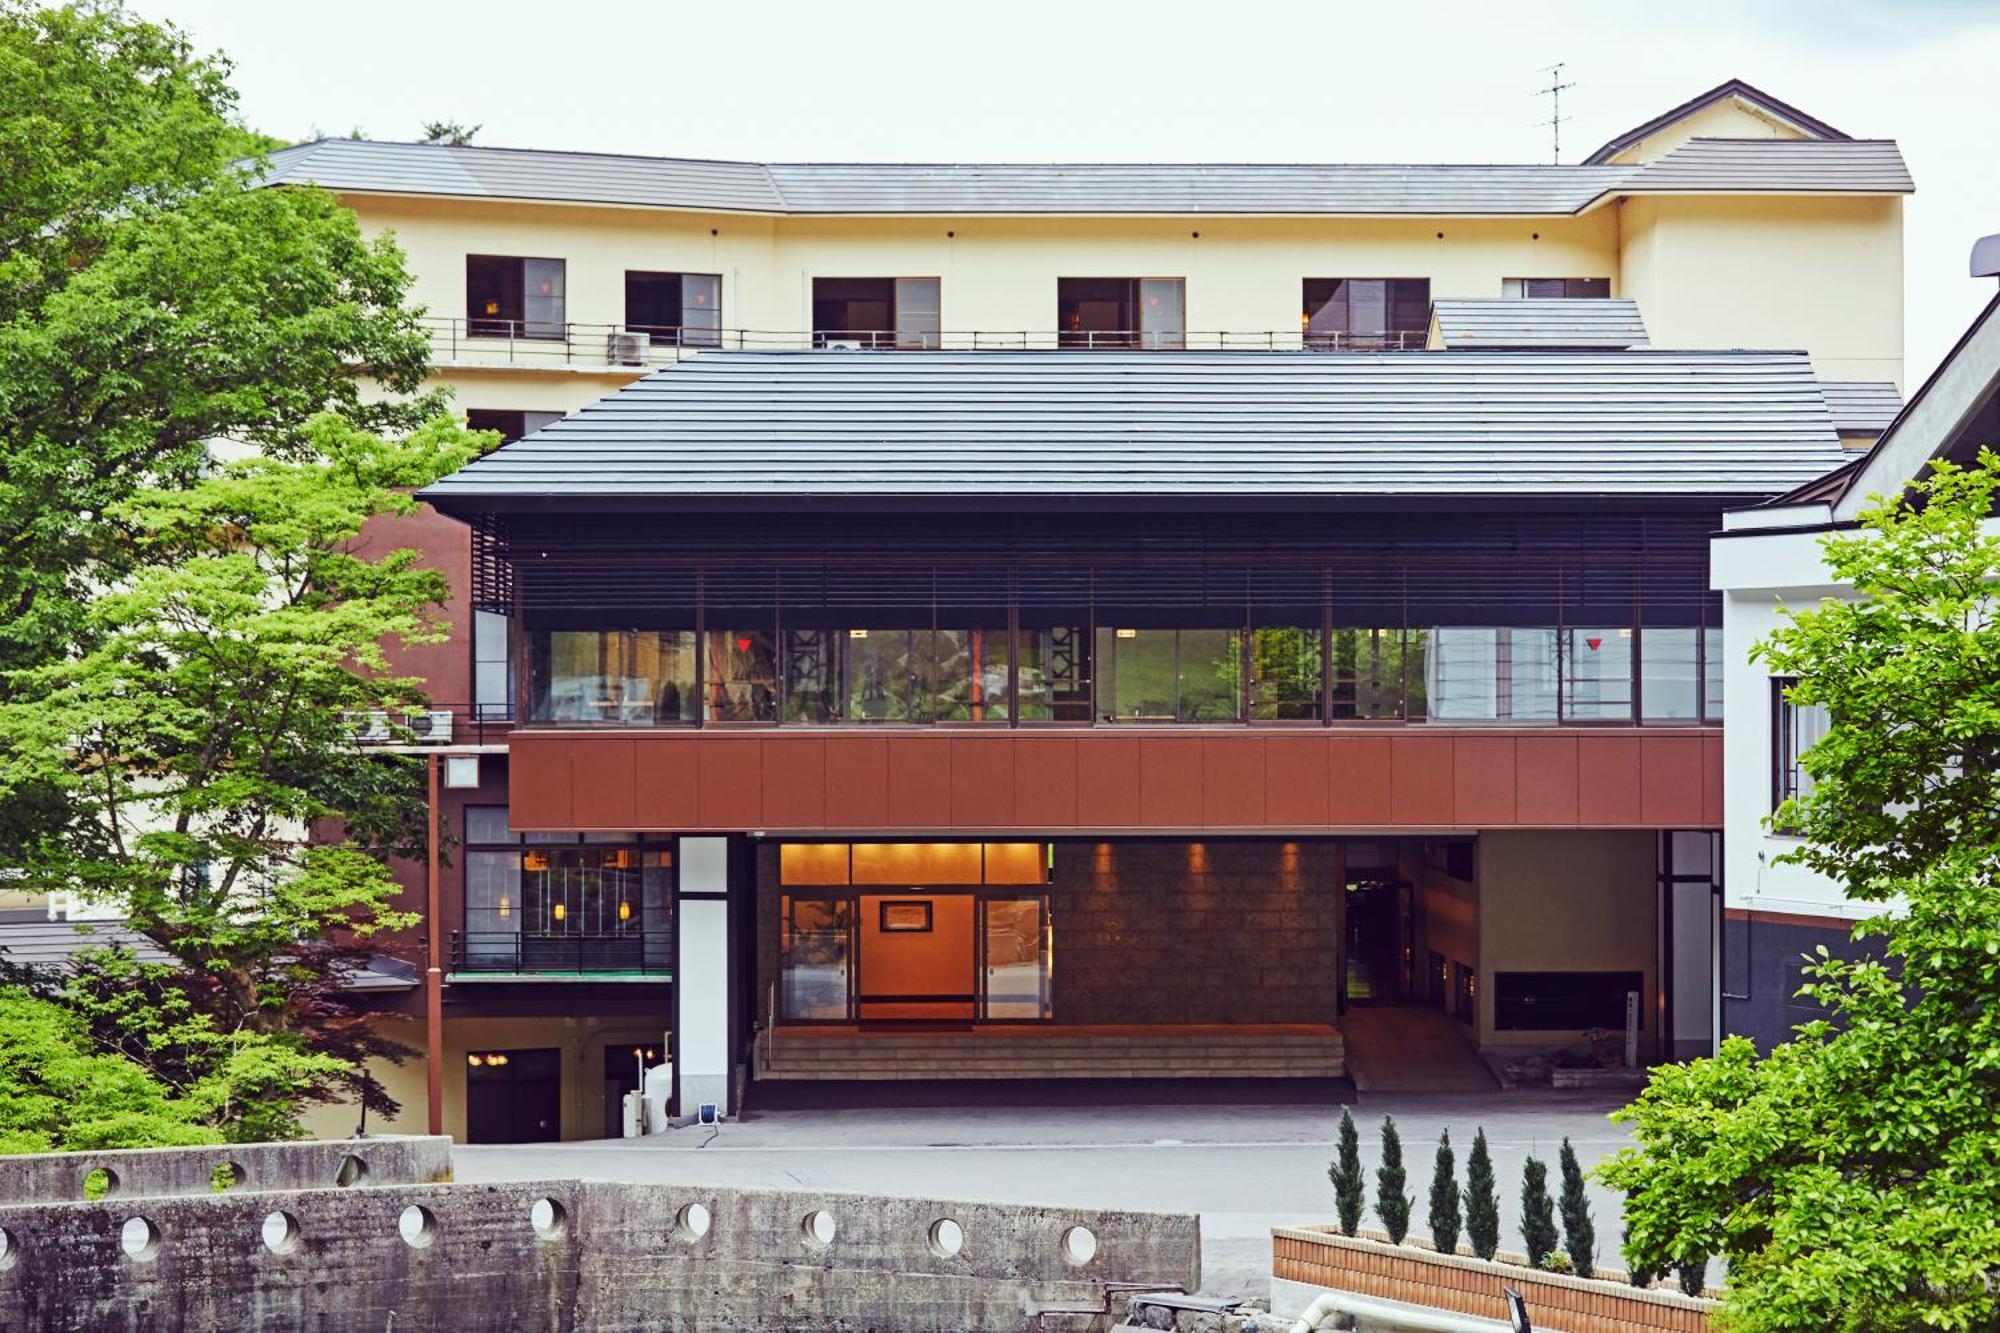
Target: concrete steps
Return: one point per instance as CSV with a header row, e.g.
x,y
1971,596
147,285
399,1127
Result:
x,y
990,1053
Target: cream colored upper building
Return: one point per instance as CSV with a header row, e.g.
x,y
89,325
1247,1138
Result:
x,y
1731,221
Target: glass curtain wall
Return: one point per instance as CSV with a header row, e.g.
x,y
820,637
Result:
x,y
561,902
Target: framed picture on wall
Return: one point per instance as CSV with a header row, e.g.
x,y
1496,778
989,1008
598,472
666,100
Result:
x,y
899,917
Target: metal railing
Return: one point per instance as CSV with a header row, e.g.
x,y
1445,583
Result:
x,y
534,344
527,953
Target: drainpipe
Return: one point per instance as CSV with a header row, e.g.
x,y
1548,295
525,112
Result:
x,y
1389,1317
434,976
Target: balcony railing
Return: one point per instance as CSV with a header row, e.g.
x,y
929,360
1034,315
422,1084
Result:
x,y
526,953
537,344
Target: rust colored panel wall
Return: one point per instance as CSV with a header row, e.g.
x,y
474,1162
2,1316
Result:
x,y
445,668
1048,781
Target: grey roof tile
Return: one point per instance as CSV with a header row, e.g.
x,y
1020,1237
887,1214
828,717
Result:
x,y
1500,322
1776,166
1861,407
757,427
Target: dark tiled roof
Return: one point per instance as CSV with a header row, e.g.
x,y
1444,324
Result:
x,y
992,426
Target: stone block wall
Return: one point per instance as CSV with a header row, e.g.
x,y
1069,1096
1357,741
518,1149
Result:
x,y
1214,931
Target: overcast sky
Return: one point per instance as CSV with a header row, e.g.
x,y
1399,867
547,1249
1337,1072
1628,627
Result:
x,y
1128,80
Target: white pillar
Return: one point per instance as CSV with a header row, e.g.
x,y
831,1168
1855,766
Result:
x,y
702,1056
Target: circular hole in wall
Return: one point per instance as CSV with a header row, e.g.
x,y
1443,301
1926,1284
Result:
x,y
99,1181
549,1219
1079,1246
947,1238
281,1232
417,1225
139,1238
818,1228
692,1222
9,1249
351,1171
228,1176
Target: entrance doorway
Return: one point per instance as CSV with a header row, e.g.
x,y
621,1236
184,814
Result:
x,y
1379,942
513,1096
930,933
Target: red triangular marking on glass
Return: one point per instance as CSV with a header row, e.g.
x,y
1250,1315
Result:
x,y
1593,643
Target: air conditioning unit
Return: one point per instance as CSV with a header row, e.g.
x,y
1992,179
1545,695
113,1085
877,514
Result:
x,y
842,344
370,728
625,348
433,726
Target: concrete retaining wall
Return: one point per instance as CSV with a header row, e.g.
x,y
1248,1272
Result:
x,y
608,1256
150,1172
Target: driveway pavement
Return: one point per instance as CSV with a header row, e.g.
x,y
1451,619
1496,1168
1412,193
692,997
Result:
x,y
1244,1168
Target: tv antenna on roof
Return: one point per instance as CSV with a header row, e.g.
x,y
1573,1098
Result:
x,y
1554,92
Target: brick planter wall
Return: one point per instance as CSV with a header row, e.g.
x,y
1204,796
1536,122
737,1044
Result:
x,y
1459,1283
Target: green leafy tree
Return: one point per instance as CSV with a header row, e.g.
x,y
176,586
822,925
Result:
x,y
1538,1213
451,132
1446,1221
151,305
1482,1199
1851,1178
58,1092
1392,1200
1637,1270
1579,1233
1349,1186
204,736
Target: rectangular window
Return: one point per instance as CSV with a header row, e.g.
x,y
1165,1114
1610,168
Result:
x,y
509,426
877,312
1711,672
1054,676
1507,673
740,671
1122,312
1795,729
675,309
492,666
611,677
1366,314
510,297
1555,288
1169,675
1285,673
1670,681
1597,675
1378,674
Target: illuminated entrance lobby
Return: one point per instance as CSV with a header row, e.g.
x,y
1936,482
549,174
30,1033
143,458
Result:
x,y
937,960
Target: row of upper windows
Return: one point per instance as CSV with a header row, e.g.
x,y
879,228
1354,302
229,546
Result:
x,y
518,297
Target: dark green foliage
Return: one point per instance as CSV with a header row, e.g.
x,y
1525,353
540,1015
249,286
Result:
x,y
1850,1178
1482,1199
1579,1235
1446,1221
1392,1201
1637,1271
1692,1275
1538,1212
1349,1188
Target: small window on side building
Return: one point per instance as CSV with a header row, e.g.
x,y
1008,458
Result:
x,y
1366,314
675,309
1544,289
511,297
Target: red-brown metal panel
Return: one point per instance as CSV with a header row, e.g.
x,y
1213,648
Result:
x,y
1484,778
919,782
668,782
794,786
1170,782
1670,781
1232,781
1421,781
1607,777
1711,777
1045,782
1359,769
1107,781
603,784
731,789
1545,780
982,782
857,782
1295,791
539,781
